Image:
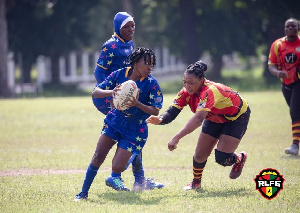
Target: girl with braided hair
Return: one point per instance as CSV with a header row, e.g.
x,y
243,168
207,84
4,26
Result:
x,y
223,114
128,128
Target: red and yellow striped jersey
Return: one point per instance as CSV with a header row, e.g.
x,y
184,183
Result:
x,y
286,56
222,103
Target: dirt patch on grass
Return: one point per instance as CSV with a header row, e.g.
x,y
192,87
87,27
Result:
x,y
39,172
22,172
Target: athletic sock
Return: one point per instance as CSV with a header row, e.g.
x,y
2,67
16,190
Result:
x,y
139,176
91,172
296,132
116,175
198,170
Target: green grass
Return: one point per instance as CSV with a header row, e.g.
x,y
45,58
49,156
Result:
x,y
55,134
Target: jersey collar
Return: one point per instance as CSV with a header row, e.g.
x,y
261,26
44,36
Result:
x,y
127,73
115,34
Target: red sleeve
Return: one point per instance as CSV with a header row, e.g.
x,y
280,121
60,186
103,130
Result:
x,y
207,101
181,99
273,55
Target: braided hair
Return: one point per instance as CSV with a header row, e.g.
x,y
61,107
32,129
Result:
x,y
139,53
197,69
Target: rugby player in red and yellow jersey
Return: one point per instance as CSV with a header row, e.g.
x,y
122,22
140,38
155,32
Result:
x,y
284,63
223,114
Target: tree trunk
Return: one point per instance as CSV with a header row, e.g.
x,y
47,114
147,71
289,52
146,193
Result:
x,y
215,73
127,6
5,91
188,19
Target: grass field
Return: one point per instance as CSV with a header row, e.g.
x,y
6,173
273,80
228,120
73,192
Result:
x,y
47,143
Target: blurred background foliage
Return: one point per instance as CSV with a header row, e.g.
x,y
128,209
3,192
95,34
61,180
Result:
x,y
188,28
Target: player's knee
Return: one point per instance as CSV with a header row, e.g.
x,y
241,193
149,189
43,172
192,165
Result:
x,y
224,159
117,168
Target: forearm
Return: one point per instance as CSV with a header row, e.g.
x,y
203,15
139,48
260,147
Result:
x,y
192,124
148,109
169,115
275,71
100,93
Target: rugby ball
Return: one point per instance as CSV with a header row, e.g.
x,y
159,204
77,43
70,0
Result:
x,y
128,89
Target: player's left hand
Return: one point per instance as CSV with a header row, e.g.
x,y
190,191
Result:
x,y
133,101
156,120
173,144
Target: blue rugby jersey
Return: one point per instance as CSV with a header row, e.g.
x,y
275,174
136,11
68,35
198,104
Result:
x,y
150,93
113,56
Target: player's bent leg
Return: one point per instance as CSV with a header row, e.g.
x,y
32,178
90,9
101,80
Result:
x,y
226,156
120,159
225,159
238,166
228,159
130,161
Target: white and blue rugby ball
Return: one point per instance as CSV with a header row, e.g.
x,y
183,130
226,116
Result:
x,y
127,90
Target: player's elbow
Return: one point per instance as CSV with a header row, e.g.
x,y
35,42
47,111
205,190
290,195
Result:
x,y
96,93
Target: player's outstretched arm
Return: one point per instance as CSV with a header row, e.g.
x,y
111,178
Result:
x,y
167,117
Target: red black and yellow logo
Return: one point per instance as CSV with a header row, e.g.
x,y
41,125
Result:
x,y
269,183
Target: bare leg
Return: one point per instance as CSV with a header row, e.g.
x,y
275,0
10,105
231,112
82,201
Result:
x,y
204,147
228,144
120,160
104,145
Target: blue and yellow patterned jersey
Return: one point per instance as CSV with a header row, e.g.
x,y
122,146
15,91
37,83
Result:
x,y
113,56
149,93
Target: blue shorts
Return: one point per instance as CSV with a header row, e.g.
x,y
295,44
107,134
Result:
x,y
129,135
236,128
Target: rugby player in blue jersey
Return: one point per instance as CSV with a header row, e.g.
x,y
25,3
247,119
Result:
x,y
128,129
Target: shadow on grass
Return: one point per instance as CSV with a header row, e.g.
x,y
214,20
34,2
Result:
x,y
241,192
130,198
290,157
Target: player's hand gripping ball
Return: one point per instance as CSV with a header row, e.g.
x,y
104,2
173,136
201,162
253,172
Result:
x,y
124,95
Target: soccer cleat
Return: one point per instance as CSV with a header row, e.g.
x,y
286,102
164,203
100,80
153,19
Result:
x,y
81,196
293,150
116,183
193,185
148,184
237,168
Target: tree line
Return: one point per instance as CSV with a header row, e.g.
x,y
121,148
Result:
x,y
188,28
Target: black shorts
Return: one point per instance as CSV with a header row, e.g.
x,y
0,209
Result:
x,y
235,128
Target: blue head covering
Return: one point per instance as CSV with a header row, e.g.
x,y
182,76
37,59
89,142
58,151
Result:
x,y
121,18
